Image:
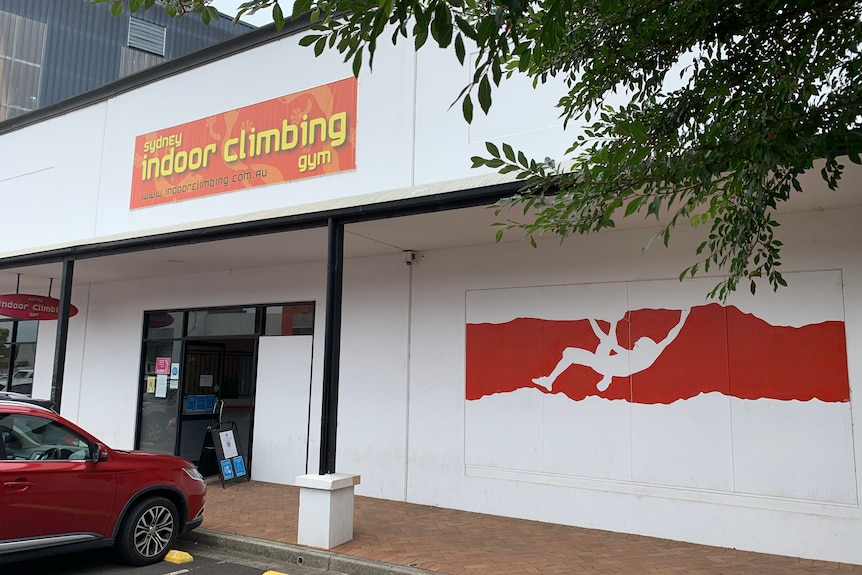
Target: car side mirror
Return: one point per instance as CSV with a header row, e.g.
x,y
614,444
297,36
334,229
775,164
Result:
x,y
98,453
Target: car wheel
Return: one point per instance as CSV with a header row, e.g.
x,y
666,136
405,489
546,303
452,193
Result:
x,y
148,532
155,428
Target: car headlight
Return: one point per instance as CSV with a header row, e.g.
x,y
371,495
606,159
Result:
x,y
193,473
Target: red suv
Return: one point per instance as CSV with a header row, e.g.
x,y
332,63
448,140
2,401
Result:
x,y
61,489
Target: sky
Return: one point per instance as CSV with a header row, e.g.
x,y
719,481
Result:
x,y
229,7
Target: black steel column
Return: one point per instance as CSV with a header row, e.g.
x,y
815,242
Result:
x,y
331,346
62,332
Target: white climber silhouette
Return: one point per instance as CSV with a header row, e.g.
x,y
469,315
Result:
x,y
611,359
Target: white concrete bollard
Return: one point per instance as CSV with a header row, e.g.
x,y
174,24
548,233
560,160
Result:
x,y
325,509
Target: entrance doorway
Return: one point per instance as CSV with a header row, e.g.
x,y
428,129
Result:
x,y
201,364
218,383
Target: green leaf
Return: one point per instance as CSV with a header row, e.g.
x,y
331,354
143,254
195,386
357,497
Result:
x,y
357,63
420,39
509,152
638,132
485,94
485,30
300,7
524,61
492,149
441,25
277,16
320,46
310,39
465,28
467,109
633,206
460,51
116,8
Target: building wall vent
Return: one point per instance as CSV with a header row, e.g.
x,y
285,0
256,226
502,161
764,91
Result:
x,y
146,36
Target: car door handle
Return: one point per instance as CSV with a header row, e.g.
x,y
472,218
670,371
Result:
x,y
19,485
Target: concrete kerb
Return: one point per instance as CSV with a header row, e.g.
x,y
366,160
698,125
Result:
x,y
299,555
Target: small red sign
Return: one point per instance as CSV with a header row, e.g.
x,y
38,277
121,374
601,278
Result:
x,y
163,365
30,306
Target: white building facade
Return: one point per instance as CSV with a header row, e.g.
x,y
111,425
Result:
x,y
579,383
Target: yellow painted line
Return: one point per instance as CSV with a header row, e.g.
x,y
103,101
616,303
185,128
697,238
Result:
x,y
274,573
178,557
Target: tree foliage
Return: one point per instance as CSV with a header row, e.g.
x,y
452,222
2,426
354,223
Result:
x,y
726,104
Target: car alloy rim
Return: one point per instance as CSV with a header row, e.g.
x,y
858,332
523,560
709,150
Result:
x,y
154,431
153,531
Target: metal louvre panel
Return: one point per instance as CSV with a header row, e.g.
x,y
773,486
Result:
x,y
146,36
29,42
7,33
133,60
22,46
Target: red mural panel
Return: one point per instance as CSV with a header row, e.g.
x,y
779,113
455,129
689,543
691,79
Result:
x,y
695,362
660,356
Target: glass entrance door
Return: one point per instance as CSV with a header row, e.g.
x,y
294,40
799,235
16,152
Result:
x,y
217,374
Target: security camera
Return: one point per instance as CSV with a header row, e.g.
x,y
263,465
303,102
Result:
x,y
410,257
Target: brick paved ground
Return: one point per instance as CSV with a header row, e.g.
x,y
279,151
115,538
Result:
x,y
462,543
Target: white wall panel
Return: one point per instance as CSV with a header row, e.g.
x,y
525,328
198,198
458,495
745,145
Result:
x,y
684,444
605,301
507,431
109,375
793,449
519,116
499,306
281,405
50,179
590,438
373,389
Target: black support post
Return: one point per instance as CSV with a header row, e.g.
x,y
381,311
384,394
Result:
x,y
331,346
62,332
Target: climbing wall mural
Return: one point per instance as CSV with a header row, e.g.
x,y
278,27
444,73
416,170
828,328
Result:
x,y
748,396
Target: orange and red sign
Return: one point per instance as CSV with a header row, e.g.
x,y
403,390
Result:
x,y
306,134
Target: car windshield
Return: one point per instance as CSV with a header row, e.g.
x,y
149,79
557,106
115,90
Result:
x,y
31,437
